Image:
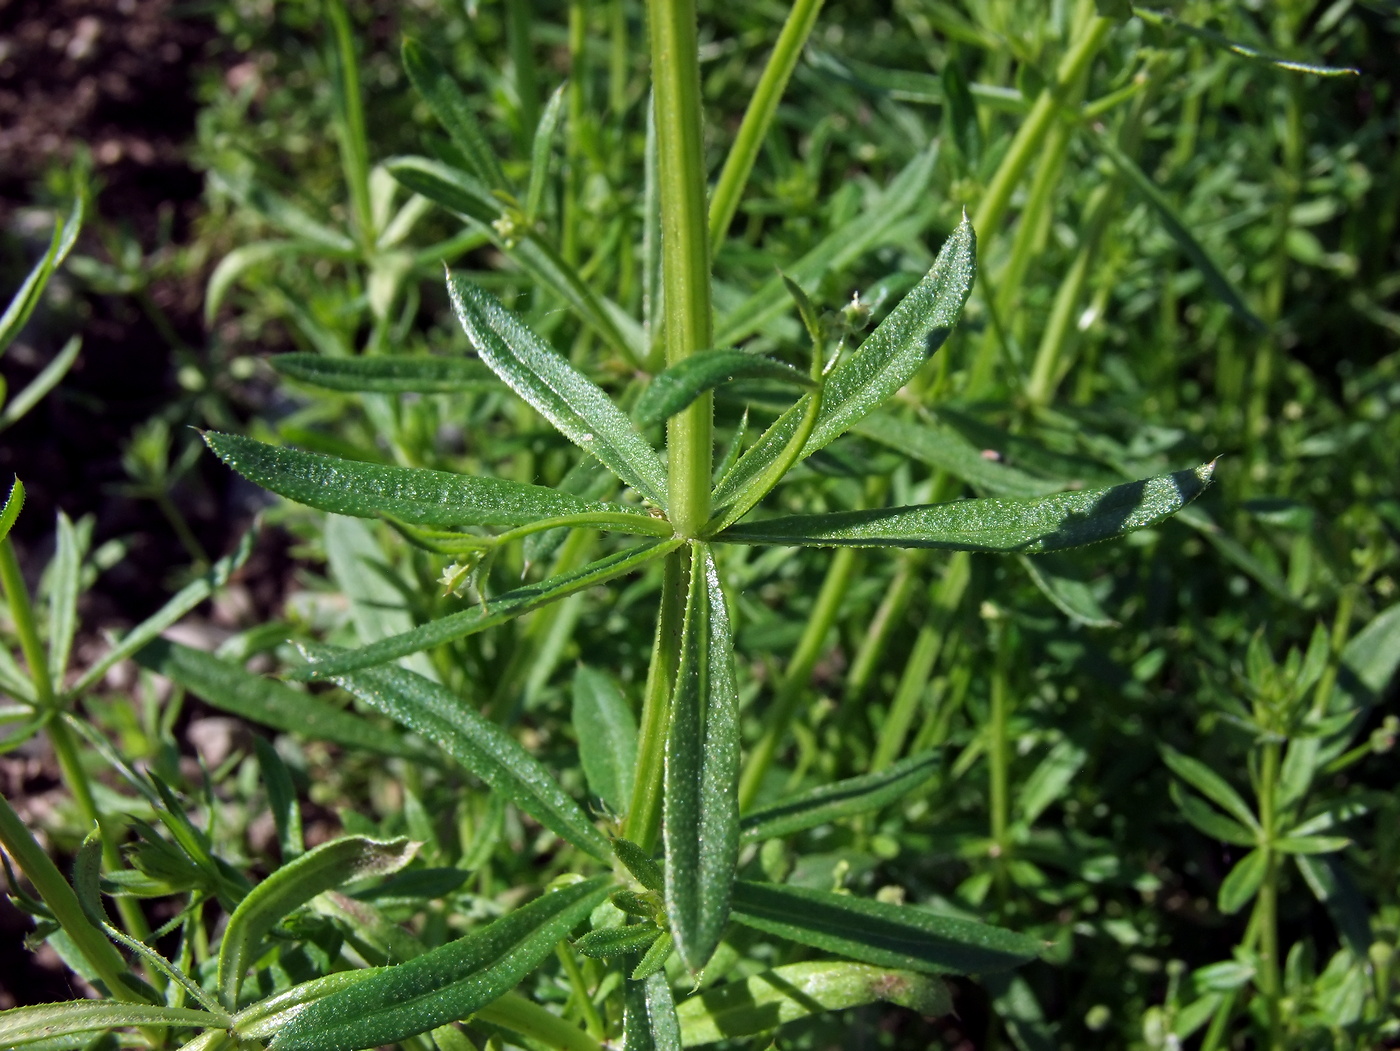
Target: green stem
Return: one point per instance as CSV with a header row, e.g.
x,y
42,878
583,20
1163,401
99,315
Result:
x,y
591,1019
63,903
644,812
759,116
685,253
877,636
998,756
1266,905
573,148
519,1015
913,684
798,674
354,143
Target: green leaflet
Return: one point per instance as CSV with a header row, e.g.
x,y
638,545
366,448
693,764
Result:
x,y
701,824
649,1016
453,111
481,746
327,867
885,362
22,1026
879,933
268,702
784,994
242,259
945,449
676,387
450,187
388,373
501,609
14,503
411,494
607,736
446,984
1029,525
559,392
827,803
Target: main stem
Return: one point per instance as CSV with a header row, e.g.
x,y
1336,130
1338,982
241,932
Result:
x,y
685,250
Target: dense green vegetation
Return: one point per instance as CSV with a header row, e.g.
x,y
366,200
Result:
x,y
589,716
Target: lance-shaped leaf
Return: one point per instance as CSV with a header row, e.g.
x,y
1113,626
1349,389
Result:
x,y
1029,525
327,867
785,994
47,1023
501,609
676,387
607,736
481,746
702,770
14,503
446,984
649,1016
410,494
947,450
388,373
841,799
880,933
266,1018
886,361
453,111
557,390
270,703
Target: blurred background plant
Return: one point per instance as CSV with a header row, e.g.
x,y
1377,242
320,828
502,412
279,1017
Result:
x,y
1187,224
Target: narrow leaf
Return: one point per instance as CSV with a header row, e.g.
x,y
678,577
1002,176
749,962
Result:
x,y
388,373
242,259
1243,881
412,494
281,799
843,799
501,609
26,298
784,994
654,958
1029,525
676,387
446,984
1311,844
1067,591
884,363
1211,821
455,190
1332,885
22,1026
41,384
63,596
649,1016
1214,277
643,869
266,1018
617,941
1049,779
14,503
481,746
327,867
283,214
943,448
453,111
1210,784
607,736
270,703
540,148
880,933
558,391
1166,18
702,769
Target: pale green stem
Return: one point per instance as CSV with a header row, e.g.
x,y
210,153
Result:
x,y
1266,905
913,684
591,1018
354,144
759,116
998,758
888,614
798,674
685,253
573,147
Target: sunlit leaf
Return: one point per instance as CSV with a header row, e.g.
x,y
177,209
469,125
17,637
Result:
x,y
677,386
453,110
840,799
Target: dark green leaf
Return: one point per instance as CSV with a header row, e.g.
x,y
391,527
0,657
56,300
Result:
x,y
784,994
26,298
14,503
842,799
242,259
676,387
453,111
1240,886
266,1018
388,373
270,703
33,391
947,450
879,933
1210,784
1332,885
540,148
455,190
643,869
616,941
558,391
281,799
649,1016
1029,525
1067,590
1210,821
1049,780
481,746
501,609
654,958
1166,18
411,494
885,362
607,736
63,586
446,984
327,867
702,769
